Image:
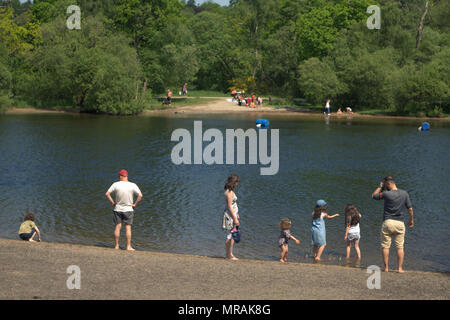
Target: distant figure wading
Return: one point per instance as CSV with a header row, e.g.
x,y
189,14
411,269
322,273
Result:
x,y
327,107
124,192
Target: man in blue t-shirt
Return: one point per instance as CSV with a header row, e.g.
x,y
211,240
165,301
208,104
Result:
x,y
395,202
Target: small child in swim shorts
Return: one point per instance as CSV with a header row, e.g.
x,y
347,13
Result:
x,y
28,229
285,225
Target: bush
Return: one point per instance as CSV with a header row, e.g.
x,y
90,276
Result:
x,y
318,81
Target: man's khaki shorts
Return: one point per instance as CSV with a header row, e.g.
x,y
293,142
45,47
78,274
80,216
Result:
x,y
393,229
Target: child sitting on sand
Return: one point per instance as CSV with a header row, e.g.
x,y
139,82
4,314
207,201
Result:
x,y
352,231
28,229
285,235
318,233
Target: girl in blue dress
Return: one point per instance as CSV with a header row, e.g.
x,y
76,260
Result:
x,y
318,233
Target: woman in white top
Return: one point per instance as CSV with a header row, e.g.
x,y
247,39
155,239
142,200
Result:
x,y
231,210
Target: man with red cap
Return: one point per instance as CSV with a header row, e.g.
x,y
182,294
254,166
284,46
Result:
x,y
124,192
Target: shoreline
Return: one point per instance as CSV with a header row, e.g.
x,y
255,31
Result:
x,y
220,106
38,271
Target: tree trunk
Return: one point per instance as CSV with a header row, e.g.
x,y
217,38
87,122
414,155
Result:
x,y
256,52
144,89
420,29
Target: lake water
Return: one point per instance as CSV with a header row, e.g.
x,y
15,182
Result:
x,y
60,166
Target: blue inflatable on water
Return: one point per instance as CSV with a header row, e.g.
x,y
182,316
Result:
x,y
424,127
262,123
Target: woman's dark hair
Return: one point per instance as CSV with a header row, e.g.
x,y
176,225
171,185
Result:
x,y
318,211
232,182
29,216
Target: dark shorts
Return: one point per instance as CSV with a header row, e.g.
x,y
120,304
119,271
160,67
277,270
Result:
x,y
27,236
123,217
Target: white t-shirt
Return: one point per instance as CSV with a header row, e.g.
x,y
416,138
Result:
x,y
124,192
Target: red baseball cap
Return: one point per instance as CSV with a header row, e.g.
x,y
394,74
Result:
x,y
123,173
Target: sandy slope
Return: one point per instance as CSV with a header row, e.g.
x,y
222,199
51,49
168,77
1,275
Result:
x,y
39,271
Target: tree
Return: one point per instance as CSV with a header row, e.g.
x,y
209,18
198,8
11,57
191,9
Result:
x,y
17,39
318,81
93,69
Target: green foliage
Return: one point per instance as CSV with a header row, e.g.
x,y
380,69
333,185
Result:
x,y
91,68
16,38
313,49
318,81
5,85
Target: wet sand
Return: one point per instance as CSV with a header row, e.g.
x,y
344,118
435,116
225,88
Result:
x,y
38,271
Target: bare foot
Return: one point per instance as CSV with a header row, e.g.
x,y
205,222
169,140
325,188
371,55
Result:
x,y
281,260
386,270
233,258
401,271
131,249
316,259
31,240
116,247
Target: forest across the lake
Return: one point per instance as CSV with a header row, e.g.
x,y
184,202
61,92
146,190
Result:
x,y
124,52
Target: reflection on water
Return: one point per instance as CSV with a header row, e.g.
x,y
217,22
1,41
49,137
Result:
x,y
60,166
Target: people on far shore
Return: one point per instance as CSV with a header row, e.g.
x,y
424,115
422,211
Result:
x,y
285,236
348,110
248,102
318,233
169,96
352,230
240,99
28,229
233,94
231,215
339,111
327,107
124,205
185,89
393,228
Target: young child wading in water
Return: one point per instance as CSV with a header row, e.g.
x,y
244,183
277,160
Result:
x,y
285,235
352,231
318,233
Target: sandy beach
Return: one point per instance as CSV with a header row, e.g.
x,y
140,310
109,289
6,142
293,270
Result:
x,y
38,271
223,106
